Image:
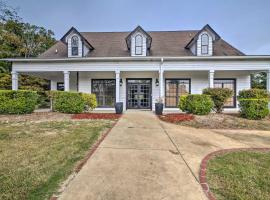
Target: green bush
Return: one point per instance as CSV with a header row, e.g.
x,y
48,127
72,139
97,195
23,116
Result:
x,y
199,104
219,96
67,102
253,94
17,102
253,103
254,108
183,103
90,101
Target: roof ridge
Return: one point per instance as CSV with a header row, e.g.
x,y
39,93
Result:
x,y
131,31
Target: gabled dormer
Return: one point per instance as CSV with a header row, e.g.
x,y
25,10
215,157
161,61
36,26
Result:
x,y
202,43
139,42
77,45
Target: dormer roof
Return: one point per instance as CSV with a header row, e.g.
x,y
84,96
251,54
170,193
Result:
x,y
207,28
72,29
139,29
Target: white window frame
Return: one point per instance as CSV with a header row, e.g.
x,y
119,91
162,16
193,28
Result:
x,y
206,45
138,46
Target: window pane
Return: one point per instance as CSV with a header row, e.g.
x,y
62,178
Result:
x,y
60,86
138,50
105,92
174,89
227,83
75,51
138,40
205,39
204,49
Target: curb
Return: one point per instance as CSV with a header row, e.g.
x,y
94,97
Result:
x,y
90,153
205,160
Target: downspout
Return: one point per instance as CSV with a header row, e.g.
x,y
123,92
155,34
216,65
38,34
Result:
x,y
161,79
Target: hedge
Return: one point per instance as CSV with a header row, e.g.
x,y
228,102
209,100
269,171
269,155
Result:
x,y
253,103
72,102
199,104
219,97
253,108
90,101
67,102
253,94
17,102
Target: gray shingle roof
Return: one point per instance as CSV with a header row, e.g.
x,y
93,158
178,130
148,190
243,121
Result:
x,y
164,43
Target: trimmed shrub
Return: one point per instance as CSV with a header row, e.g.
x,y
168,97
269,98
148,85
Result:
x,y
90,101
253,94
254,108
219,96
67,102
199,104
253,103
17,102
183,103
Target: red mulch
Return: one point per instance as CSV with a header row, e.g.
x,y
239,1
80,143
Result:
x,y
96,116
174,118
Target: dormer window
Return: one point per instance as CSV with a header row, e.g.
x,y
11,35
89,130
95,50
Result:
x,y
138,45
75,46
205,43
139,42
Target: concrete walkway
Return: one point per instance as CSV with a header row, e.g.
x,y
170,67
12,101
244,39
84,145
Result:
x,y
144,158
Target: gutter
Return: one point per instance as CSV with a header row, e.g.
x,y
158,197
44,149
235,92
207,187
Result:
x,y
147,58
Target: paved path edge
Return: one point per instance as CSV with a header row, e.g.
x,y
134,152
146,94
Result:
x,y
91,151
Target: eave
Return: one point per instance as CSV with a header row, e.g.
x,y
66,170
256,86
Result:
x,y
147,58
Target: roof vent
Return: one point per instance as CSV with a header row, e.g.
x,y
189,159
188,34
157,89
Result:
x,y
56,51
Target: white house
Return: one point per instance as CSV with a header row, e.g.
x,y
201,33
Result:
x,y
139,67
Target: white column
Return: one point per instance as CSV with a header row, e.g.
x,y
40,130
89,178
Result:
x,y
211,75
161,84
53,85
117,89
14,76
268,80
66,80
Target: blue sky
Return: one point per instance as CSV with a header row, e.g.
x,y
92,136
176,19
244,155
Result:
x,y
243,23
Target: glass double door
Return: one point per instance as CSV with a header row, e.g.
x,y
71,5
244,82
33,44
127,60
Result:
x,y
139,93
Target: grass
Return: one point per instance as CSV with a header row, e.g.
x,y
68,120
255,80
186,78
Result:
x,y
36,157
240,176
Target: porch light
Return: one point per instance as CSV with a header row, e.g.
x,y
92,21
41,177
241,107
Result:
x,y
121,82
157,82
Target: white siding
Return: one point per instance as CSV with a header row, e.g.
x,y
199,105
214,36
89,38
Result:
x,y
199,45
199,80
144,49
72,81
80,52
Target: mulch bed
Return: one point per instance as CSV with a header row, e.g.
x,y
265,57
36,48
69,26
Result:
x,y
174,118
96,116
203,167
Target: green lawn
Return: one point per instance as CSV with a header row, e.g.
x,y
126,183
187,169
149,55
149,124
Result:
x,y
240,176
36,157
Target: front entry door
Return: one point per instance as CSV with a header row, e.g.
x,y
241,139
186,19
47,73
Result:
x,y
139,93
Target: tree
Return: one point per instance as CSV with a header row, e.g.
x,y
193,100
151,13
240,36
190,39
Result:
x,y
258,80
20,39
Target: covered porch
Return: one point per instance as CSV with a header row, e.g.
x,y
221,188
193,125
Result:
x,y
142,89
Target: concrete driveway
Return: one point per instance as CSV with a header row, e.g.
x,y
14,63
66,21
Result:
x,y
144,158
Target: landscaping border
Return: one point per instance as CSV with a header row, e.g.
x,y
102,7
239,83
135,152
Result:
x,y
205,160
91,151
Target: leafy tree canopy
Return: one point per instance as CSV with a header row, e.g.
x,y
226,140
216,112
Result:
x,y
21,39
